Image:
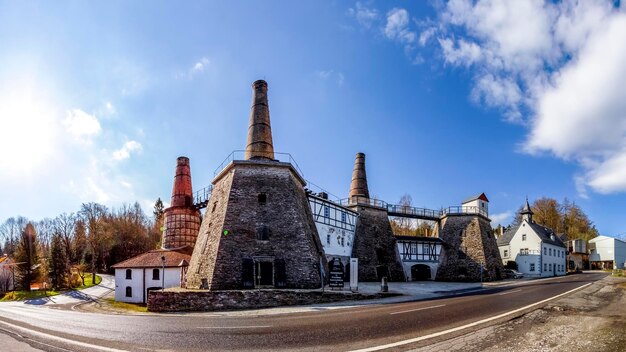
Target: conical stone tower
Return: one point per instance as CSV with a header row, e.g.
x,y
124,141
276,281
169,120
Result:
x,y
468,245
374,242
181,219
258,229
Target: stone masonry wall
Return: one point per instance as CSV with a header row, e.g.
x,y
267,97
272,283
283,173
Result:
x,y
375,245
284,216
468,243
190,300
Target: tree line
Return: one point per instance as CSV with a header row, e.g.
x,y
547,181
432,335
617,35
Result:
x,y
60,251
563,218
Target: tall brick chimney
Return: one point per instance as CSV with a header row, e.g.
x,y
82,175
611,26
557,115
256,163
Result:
x,y
358,186
182,192
182,220
259,144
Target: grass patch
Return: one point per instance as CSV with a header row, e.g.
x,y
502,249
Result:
x,y
618,272
25,295
134,307
89,282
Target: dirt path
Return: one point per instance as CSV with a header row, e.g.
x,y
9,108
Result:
x,y
593,319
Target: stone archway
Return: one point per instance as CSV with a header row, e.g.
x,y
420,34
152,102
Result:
x,y
420,272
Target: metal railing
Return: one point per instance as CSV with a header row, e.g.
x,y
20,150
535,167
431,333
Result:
x,y
464,210
529,252
201,197
413,211
241,155
363,201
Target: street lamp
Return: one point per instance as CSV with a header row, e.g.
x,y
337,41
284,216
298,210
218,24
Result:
x,y
162,273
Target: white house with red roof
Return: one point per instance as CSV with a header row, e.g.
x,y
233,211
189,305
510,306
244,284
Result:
x,y
156,269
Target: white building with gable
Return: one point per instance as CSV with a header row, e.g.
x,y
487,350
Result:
x,y
152,270
536,249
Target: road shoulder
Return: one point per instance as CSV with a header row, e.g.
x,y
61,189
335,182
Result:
x,y
590,319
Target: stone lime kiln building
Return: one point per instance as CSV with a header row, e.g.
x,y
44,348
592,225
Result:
x,y
258,230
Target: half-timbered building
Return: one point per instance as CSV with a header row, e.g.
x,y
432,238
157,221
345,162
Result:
x,y
419,256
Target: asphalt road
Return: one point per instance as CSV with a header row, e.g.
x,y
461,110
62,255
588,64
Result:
x,y
336,330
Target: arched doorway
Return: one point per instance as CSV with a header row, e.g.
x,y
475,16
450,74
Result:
x,y
420,272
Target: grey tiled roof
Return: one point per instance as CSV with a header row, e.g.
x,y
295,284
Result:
x,y
543,232
507,236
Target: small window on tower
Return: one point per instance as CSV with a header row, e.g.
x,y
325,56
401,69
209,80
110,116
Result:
x,y
214,206
262,198
263,233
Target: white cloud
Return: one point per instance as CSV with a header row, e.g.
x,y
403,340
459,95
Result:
x,y
81,125
501,218
397,26
364,15
200,66
556,67
338,77
126,150
426,35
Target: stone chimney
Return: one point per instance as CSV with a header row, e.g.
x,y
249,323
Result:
x,y
181,219
182,192
259,144
358,186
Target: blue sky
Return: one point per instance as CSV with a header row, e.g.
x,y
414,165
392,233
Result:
x,y
447,99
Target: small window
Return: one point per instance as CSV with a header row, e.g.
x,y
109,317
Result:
x,y
155,274
532,266
343,216
545,267
550,251
263,233
214,206
129,274
506,253
326,211
342,242
550,267
129,291
545,251
523,237
327,239
262,198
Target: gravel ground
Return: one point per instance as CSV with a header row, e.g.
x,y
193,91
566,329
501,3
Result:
x,y
593,319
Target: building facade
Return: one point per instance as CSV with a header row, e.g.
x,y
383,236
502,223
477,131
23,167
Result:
x,y
153,270
419,256
607,253
536,250
336,227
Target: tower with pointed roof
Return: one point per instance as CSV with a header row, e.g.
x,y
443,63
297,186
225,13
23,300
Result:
x,y
527,213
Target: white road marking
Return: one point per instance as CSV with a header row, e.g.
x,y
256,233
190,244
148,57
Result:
x,y
458,328
416,309
234,327
60,339
507,292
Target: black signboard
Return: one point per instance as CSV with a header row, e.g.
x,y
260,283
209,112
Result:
x,y
336,273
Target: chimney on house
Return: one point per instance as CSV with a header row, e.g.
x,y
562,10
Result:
x,y
260,145
182,192
358,186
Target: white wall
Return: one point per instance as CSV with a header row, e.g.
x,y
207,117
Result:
x,y
172,279
336,235
417,257
525,259
609,249
479,203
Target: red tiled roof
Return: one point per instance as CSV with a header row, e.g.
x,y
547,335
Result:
x,y
152,259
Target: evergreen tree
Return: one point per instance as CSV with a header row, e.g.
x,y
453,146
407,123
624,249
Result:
x,y
58,263
27,258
